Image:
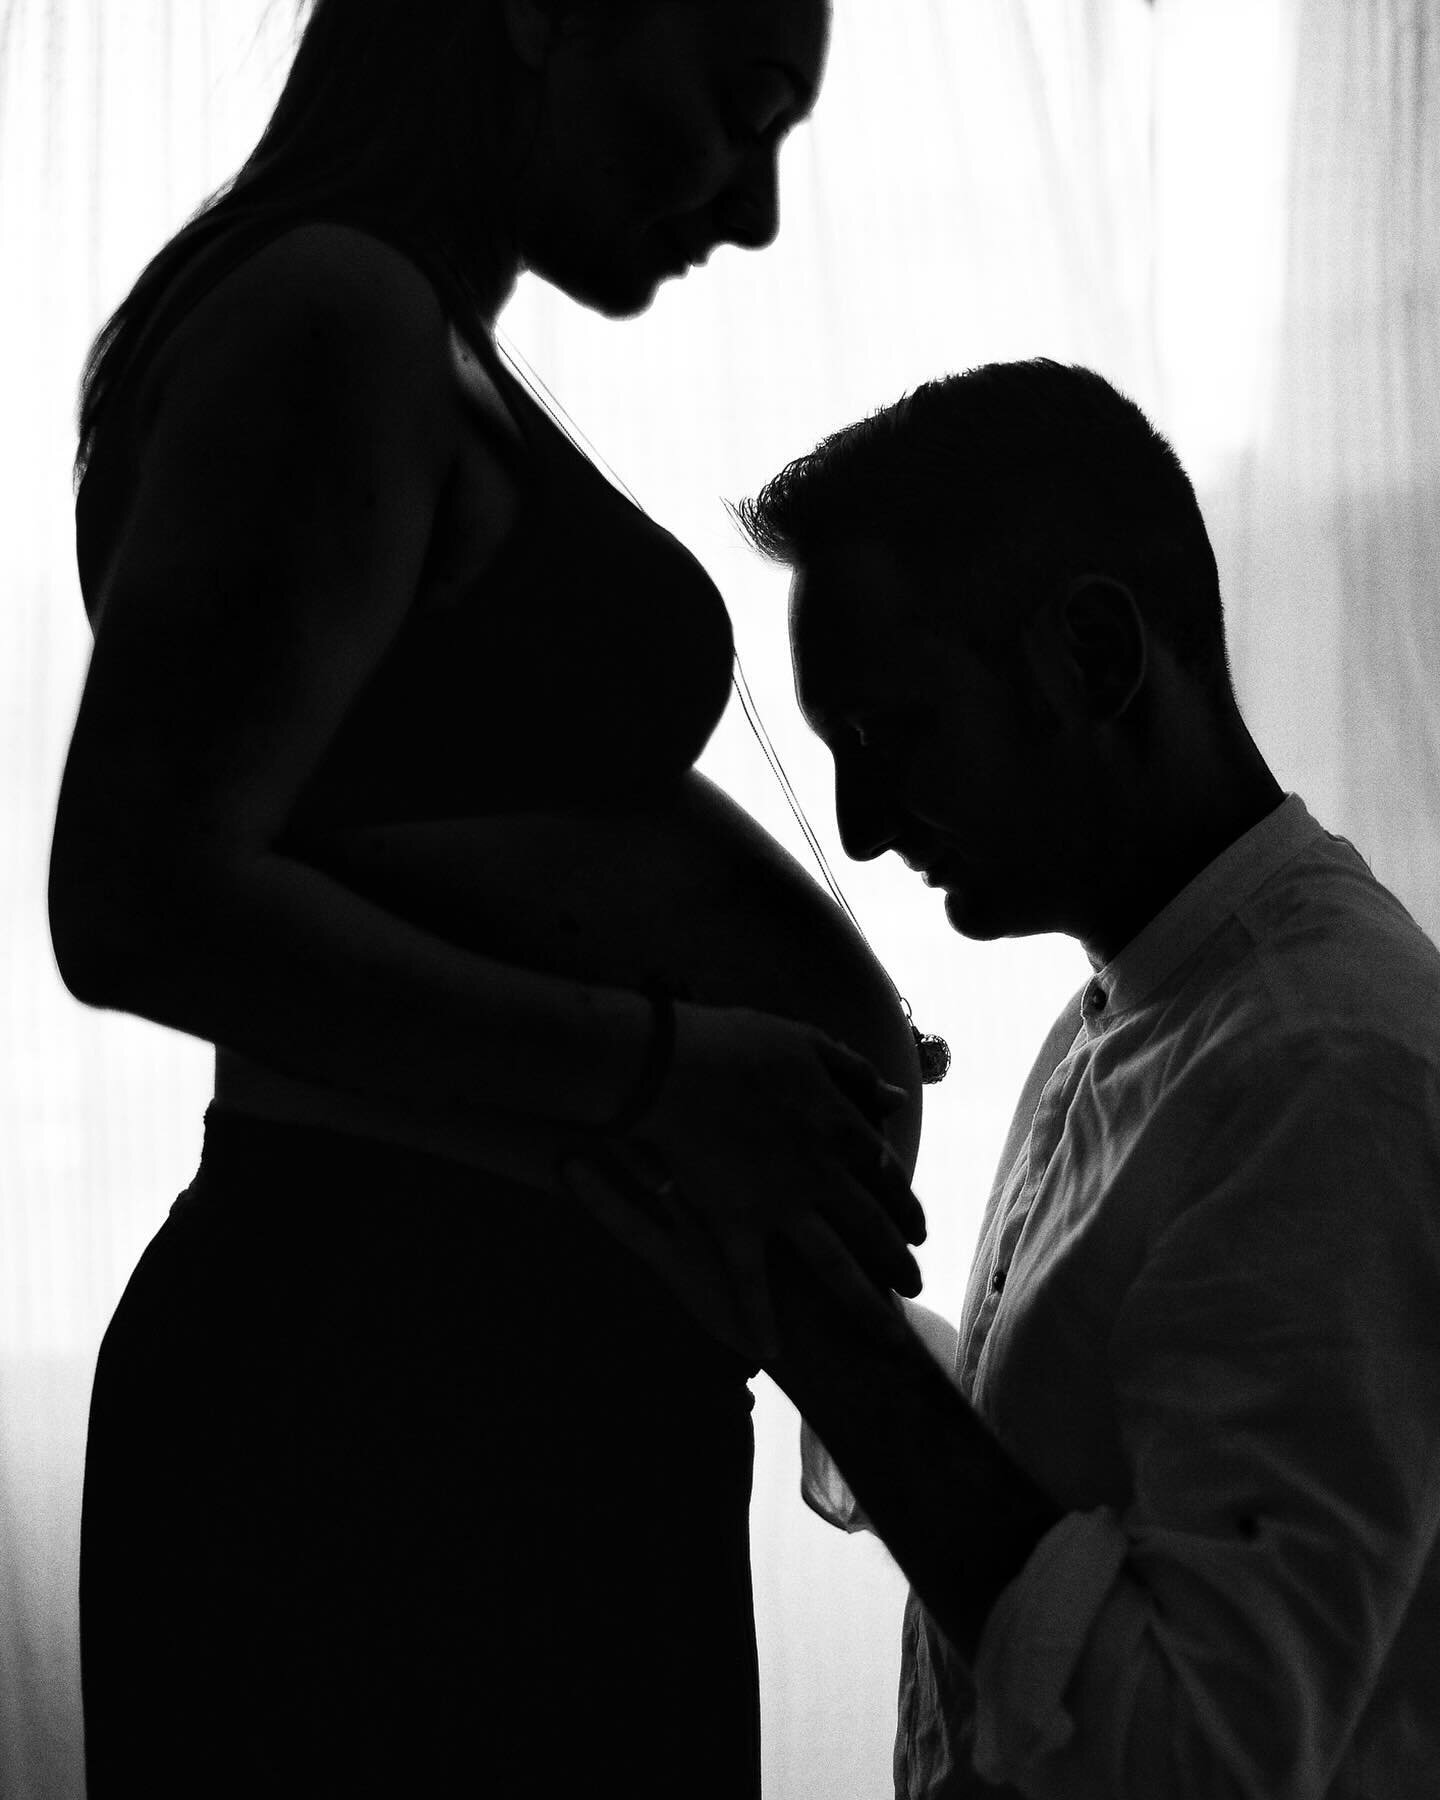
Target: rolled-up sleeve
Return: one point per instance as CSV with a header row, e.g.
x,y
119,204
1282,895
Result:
x,y
1275,1366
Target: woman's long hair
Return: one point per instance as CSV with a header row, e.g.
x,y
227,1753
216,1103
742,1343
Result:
x,y
394,112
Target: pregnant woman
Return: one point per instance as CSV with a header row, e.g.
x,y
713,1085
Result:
x,y
403,1477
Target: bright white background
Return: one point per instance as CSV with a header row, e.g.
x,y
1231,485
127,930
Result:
x,y
1230,207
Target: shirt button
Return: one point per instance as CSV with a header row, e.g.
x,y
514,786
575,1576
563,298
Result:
x,y
1095,997
997,1282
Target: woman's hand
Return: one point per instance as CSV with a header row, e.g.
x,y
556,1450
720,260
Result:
x,y
763,1130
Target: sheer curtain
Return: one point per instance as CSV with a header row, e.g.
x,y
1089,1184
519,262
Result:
x,y
1228,206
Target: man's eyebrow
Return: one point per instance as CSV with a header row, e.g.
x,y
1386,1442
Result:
x,y
817,718
822,721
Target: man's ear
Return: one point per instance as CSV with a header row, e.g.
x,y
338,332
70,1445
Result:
x,y
1088,650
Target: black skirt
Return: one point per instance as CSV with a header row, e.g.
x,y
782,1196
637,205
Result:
x,y
403,1481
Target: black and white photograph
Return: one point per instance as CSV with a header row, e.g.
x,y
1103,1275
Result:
x,y
720,1052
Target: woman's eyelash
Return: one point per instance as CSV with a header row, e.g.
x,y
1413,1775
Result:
x,y
744,115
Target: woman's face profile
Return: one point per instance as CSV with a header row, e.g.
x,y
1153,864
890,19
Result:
x,y
655,145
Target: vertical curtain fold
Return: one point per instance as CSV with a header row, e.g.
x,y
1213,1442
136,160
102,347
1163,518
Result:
x,y
1336,541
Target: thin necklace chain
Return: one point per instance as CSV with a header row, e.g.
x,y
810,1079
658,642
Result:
x,y
537,387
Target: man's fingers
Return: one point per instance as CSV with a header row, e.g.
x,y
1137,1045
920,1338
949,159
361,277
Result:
x,y
899,1200
616,1203
828,1258
867,1158
648,1214
862,1216
757,1309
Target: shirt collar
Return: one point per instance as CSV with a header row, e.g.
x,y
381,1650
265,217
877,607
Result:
x,y
1197,911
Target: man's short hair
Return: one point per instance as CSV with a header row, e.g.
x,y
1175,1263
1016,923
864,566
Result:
x,y
994,489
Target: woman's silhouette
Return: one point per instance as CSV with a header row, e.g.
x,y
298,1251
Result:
x,y
402,1477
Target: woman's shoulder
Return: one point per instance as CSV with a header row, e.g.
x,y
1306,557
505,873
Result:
x,y
348,290
317,331
308,276
338,318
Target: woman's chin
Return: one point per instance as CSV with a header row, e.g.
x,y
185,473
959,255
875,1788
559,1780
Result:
x,y
622,288
629,306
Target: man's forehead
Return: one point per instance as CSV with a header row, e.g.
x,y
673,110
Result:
x,y
854,584
826,630
852,630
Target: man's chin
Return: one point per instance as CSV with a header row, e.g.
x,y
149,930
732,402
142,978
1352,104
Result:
x,y
968,916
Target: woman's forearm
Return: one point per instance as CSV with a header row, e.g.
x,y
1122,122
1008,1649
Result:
x,y
283,964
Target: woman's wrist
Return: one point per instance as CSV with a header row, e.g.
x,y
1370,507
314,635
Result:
x,y
612,1070
658,1057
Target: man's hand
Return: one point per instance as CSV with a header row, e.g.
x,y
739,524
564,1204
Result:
x,y
723,1277
766,1133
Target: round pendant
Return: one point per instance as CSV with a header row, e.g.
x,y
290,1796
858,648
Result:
x,y
934,1056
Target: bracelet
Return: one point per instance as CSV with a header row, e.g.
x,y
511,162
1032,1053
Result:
x,y
659,1054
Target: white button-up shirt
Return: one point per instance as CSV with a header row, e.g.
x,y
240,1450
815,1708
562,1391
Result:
x,y
1204,1314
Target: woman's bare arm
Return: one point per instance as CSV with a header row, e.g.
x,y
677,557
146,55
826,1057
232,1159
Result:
x,y
289,488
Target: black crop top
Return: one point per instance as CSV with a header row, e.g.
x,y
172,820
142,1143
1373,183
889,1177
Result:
x,y
589,667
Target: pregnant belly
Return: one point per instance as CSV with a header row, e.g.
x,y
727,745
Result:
x,y
687,891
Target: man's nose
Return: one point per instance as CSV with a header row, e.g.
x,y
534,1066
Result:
x,y
865,812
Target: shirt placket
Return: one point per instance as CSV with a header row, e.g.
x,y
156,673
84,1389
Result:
x,y
1031,1166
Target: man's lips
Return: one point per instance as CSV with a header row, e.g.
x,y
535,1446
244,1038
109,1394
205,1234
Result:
x,y
927,868
936,874
694,255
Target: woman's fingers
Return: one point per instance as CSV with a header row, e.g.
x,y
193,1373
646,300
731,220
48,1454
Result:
x,y
860,1081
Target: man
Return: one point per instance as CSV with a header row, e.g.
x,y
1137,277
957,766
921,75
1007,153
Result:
x,y
1172,1531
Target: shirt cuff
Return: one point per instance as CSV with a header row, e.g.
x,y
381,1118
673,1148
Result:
x,y
823,1488
1033,1640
